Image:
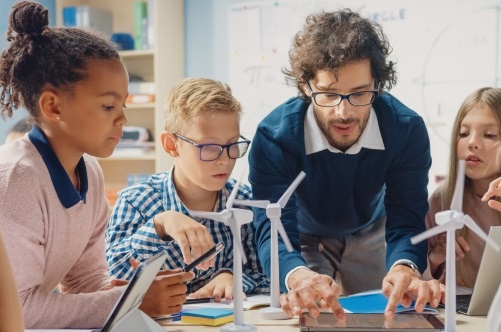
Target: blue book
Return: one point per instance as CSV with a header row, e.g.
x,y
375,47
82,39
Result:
x,y
375,303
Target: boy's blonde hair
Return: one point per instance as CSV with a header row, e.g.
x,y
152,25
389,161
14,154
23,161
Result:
x,y
192,97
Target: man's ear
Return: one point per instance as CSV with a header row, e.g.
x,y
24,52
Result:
x,y
169,143
49,104
305,89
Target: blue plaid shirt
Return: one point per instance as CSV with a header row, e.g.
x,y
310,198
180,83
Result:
x,y
131,233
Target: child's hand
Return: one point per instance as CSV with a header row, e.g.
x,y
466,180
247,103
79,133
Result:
x,y
221,287
493,191
116,283
166,294
188,233
122,282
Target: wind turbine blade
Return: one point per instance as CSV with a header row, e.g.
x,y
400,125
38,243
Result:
x,y
287,194
471,224
258,204
229,202
237,245
457,198
431,232
283,234
218,216
242,216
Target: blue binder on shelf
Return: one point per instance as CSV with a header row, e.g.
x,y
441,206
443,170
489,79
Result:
x,y
70,16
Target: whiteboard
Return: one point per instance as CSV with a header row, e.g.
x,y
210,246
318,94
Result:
x,y
443,49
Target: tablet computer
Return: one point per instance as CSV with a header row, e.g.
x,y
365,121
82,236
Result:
x,y
135,290
326,321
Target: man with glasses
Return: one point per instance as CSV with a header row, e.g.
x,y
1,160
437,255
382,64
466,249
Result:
x,y
202,135
366,158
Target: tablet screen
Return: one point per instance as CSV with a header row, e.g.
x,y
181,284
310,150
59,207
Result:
x,y
326,321
138,285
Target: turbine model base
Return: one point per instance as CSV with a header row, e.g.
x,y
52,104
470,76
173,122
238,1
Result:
x,y
138,321
238,327
273,313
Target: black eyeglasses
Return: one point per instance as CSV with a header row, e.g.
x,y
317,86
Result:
x,y
331,99
210,152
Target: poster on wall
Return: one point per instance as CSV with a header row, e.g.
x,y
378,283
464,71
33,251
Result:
x,y
443,51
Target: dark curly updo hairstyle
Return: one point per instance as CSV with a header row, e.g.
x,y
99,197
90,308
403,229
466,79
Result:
x,y
331,40
40,56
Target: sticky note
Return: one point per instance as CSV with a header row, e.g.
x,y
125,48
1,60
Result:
x,y
208,316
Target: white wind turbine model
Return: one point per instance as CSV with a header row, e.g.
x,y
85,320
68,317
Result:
x,y
234,218
449,221
273,212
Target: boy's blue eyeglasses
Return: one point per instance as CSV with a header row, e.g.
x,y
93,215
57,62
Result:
x,y
210,152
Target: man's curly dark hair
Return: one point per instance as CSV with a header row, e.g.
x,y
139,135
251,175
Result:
x,y
330,40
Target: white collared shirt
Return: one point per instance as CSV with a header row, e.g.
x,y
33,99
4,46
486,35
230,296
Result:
x,y
315,140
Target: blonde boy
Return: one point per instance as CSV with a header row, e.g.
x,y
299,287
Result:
x,y
202,135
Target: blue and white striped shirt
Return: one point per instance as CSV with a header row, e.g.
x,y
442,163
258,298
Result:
x,y
131,233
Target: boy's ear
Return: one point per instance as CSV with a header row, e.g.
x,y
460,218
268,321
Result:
x,y
49,103
169,143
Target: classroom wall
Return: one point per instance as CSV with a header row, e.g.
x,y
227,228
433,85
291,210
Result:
x,y
206,38
5,7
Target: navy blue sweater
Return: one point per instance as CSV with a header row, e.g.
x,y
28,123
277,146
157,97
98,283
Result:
x,y
342,193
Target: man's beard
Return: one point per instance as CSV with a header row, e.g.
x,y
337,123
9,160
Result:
x,y
344,143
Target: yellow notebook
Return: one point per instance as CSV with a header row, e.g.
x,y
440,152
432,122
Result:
x,y
207,316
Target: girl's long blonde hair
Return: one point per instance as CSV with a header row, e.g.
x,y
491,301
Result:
x,y
490,97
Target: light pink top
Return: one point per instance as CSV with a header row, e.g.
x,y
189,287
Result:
x,y
49,244
483,215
